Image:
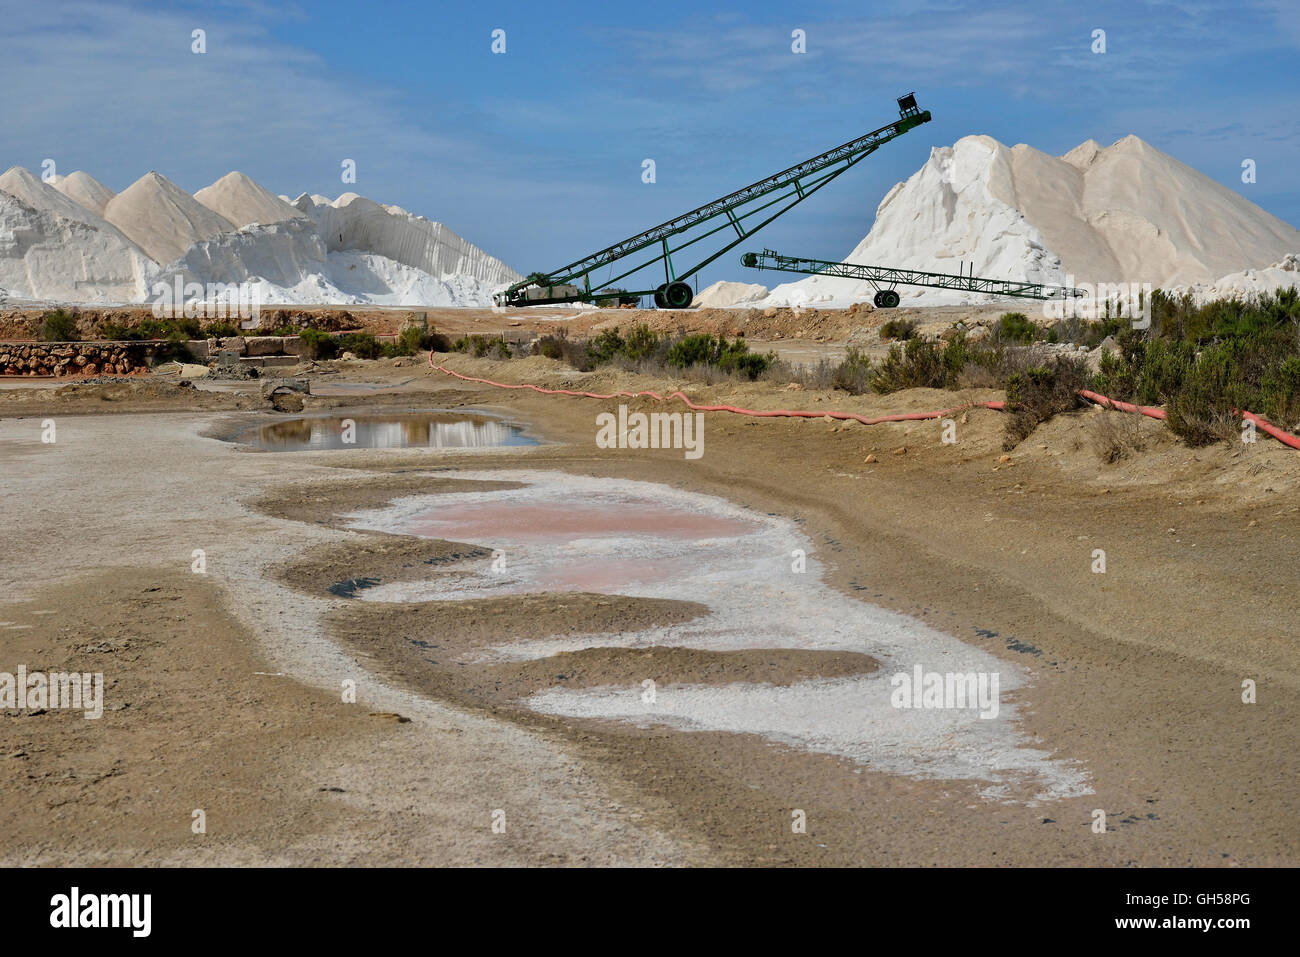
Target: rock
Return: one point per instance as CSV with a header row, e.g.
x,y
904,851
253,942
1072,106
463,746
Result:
x,y
348,355
234,344
264,345
1004,458
901,450
869,459
293,346
284,386
226,365
794,387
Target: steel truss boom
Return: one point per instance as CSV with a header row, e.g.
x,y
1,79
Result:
x,y
768,197
889,276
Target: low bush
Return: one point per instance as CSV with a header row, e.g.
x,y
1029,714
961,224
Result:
x,y
1118,435
1040,392
59,325
706,350
853,374
1015,327
900,329
481,346
319,345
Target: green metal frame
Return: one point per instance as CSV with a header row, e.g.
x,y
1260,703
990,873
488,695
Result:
x,y
791,187
768,259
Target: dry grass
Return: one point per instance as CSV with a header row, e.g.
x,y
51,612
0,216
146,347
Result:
x,y
1116,436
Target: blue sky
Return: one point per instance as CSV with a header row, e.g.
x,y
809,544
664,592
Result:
x,y
536,154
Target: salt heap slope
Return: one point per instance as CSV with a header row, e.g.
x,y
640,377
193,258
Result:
x,y
1124,213
355,223
729,294
238,199
53,248
84,190
163,219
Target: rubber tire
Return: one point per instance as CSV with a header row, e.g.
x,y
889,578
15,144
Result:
x,y
678,295
889,299
875,300
659,297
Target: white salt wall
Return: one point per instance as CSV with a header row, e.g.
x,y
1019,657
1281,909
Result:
x,y
353,222
44,255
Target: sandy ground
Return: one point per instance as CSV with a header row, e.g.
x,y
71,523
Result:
x,y
224,687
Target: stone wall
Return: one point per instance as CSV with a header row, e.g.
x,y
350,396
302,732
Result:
x,y
73,358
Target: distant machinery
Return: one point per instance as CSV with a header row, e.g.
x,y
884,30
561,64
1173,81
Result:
x,y
778,193
887,298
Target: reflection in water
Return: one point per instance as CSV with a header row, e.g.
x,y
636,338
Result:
x,y
384,432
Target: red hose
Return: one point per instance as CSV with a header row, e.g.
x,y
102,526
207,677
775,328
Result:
x,y
1285,437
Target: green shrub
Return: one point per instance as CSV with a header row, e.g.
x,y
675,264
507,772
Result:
x,y
59,325
363,345
700,349
413,339
118,332
853,374
916,365
900,329
604,347
1037,393
709,351
1015,327
549,347
480,346
560,347
641,343
214,330
319,345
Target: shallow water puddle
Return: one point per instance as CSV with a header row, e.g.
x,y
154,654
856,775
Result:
x,y
576,533
383,431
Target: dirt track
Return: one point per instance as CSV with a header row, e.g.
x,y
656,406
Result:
x,y
1137,672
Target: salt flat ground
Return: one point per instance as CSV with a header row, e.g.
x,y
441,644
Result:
x,y
224,688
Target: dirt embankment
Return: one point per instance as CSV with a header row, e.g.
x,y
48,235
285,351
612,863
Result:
x,y
814,325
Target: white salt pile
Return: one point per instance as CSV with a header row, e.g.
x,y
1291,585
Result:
x,y
241,201
730,294
163,219
84,190
51,248
353,222
76,241
30,189
1249,282
1125,213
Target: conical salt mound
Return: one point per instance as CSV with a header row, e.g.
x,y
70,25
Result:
x,y
163,219
54,248
85,190
41,196
242,201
